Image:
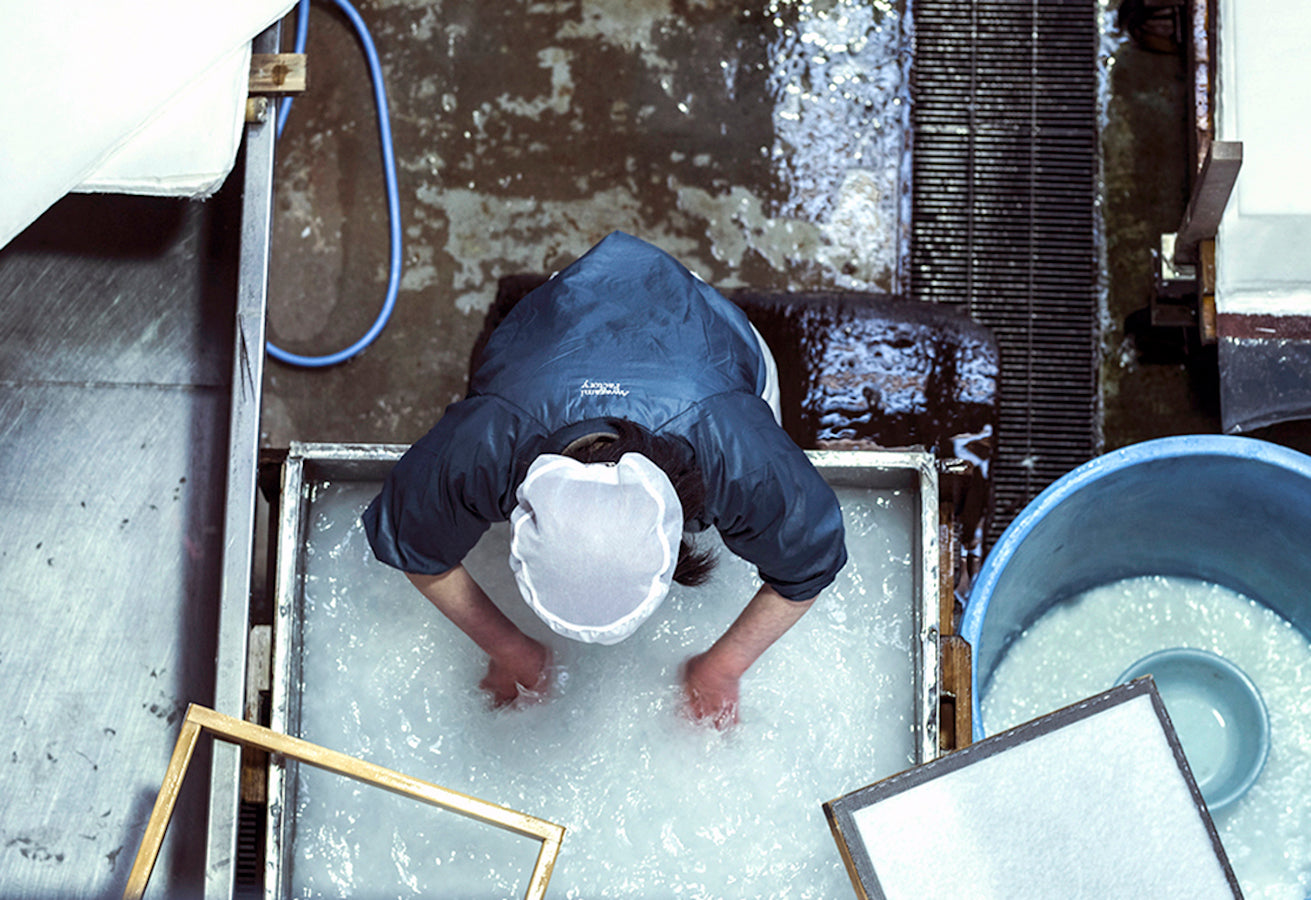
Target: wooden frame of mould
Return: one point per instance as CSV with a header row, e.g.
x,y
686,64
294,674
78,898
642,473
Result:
x,y
246,734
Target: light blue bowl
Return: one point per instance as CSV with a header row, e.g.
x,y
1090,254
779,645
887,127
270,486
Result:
x,y
1218,714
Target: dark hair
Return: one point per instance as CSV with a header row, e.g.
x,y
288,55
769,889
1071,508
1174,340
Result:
x,y
694,566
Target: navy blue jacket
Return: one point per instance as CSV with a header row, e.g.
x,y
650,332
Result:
x,y
624,332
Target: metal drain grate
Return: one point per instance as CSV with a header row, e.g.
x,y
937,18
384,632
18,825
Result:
x,y
1004,124
248,879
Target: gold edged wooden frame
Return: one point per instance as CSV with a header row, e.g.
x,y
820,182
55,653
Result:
x,y
200,718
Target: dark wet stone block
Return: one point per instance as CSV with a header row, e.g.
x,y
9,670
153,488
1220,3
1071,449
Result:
x,y
877,369
863,371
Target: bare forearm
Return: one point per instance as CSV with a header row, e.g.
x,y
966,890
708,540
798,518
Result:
x,y
764,620
710,680
518,663
461,600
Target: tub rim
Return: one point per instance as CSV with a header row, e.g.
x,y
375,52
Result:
x,y
1177,446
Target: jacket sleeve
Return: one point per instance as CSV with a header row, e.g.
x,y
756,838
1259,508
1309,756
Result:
x,y
770,505
447,488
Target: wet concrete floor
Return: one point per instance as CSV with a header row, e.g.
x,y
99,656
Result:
x,y
761,143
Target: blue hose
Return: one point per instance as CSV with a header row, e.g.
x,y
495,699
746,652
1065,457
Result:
x,y
389,173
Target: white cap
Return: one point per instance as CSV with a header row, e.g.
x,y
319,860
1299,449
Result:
x,y
594,545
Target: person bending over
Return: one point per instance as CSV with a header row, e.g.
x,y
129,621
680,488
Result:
x,y
618,409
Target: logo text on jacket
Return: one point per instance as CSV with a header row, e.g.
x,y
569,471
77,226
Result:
x,y
592,388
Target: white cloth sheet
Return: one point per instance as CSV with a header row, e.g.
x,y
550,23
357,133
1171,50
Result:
x,y
1262,265
132,96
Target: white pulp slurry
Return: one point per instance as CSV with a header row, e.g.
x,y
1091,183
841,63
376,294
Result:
x,y
1079,648
653,805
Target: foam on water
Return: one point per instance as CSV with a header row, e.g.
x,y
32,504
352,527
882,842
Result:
x,y
654,806
1079,648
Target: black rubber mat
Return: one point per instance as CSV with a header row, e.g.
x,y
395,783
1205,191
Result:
x,y
1005,142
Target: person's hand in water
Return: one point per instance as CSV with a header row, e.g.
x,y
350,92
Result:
x,y
526,674
518,664
710,694
710,680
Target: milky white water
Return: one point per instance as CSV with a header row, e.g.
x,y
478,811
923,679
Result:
x,y
1079,648
653,806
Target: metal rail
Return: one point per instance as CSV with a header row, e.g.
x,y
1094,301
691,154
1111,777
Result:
x,y
239,506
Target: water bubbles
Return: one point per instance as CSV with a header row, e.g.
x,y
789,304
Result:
x,y
838,74
684,809
669,840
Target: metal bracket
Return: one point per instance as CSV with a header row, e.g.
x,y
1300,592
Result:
x,y
1172,270
1174,299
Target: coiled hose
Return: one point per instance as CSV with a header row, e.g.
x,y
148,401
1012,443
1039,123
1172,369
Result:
x,y
389,175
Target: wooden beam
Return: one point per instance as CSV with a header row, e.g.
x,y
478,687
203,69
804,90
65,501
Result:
x,y
956,713
167,798
1211,190
947,551
278,73
1206,323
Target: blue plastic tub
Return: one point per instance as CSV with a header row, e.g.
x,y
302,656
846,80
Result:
x,y
1230,510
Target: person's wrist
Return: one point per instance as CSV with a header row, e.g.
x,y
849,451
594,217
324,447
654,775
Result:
x,y
721,665
511,648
